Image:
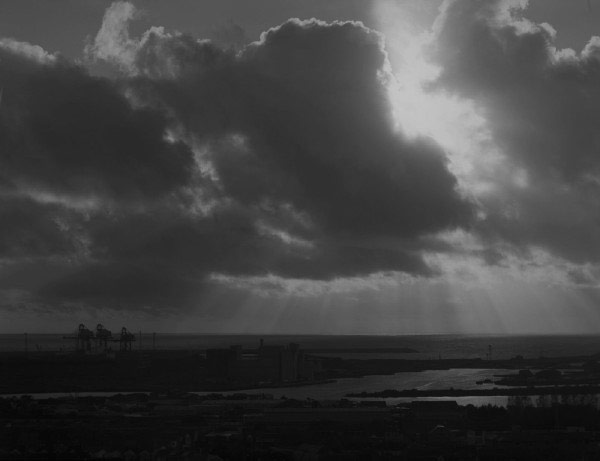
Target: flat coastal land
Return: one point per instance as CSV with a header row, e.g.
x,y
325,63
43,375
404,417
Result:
x,y
165,370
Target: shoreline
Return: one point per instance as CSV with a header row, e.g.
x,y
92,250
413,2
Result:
x,y
162,389
519,391
162,370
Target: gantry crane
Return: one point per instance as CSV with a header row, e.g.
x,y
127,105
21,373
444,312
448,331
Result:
x,y
84,339
103,336
125,340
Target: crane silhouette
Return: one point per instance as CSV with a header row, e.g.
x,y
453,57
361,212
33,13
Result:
x,y
84,338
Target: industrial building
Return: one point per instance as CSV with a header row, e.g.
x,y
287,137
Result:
x,y
272,364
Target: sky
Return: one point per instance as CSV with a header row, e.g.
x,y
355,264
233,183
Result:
x,y
277,166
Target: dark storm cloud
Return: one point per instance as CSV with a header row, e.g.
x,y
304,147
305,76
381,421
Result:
x,y
542,104
298,170
33,230
163,258
542,107
310,104
65,132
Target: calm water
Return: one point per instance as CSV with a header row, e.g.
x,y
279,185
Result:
x,y
428,346
421,380
431,379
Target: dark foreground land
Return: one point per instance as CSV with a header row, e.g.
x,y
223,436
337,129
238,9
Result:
x,y
191,371
552,412
257,427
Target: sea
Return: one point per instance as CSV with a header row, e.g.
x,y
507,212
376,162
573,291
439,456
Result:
x,y
425,346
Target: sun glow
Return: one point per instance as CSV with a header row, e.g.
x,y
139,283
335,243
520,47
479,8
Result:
x,y
419,110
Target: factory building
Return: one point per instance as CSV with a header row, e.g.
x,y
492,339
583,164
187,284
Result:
x,y
272,363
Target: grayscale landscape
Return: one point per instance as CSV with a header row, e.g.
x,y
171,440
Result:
x,y
300,230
